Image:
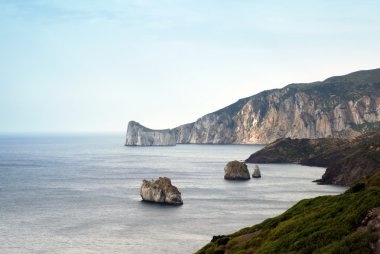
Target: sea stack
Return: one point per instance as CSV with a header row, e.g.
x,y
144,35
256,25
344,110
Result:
x,y
236,170
256,172
160,191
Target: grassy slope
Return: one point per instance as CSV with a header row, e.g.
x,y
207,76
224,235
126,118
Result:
x,y
320,225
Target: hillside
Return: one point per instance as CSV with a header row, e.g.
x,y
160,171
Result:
x,y
346,160
346,223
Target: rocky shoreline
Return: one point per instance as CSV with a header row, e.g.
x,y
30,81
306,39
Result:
x,y
346,160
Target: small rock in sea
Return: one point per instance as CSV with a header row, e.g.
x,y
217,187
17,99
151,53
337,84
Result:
x,y
235,170
256,172
160,191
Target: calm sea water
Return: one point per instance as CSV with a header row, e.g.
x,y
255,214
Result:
x,y
80,194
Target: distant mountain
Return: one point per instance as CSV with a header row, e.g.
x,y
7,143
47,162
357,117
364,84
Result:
x,y
342,106
346,160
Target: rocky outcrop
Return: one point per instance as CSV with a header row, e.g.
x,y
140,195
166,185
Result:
x,y
235,170
256,172
160,191
371,224
138,135
346,160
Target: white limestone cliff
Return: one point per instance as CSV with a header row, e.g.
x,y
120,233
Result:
x,y
138,135
342,106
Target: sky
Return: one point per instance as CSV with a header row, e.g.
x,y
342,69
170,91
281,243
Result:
x,y
94,65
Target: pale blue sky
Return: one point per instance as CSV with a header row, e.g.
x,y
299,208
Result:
x,y
72,65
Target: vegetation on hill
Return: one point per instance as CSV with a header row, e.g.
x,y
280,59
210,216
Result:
x,y
327,224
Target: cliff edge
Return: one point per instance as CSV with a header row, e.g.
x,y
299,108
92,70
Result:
x,y
138,135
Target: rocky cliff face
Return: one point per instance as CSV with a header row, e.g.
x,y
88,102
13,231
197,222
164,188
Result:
x,y
183,133
361,159
341,106
138,135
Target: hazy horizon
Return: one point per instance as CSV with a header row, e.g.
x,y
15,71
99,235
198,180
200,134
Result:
x,y
92,66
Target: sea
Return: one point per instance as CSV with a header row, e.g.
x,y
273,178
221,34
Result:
x,y
79,193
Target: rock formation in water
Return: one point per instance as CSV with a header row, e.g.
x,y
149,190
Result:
x,y
235,170
256,172
346,160
138,135
160,191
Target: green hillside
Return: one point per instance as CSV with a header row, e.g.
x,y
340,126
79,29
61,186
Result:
x,y
326,224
